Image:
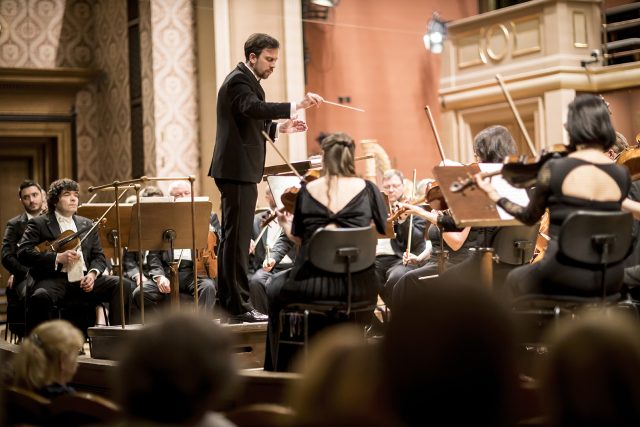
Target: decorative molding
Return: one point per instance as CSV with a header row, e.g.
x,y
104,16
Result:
x,y
580,34
68,77
527,36
469,49
503,39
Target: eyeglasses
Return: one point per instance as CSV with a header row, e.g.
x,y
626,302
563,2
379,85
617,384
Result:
x,y
390,186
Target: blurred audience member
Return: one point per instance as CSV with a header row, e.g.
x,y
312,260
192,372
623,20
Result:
x,y
48,358
591,375
177,372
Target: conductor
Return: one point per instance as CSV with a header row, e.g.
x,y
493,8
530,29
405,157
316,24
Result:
x,y
238,164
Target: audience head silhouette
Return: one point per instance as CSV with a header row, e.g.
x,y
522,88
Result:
x,y
48,356
591,375
451,345
175,371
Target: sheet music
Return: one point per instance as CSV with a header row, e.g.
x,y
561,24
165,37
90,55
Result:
x,y
504,189
278,185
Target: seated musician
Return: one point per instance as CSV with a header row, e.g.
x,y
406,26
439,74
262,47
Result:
x,y
491,145
156,274
71,275
585,179
272,253
32,199
338,198
390,265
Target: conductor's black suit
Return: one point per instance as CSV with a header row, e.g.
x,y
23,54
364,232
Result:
x,y
237,166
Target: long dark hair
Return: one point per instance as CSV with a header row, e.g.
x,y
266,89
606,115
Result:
x,y
589,123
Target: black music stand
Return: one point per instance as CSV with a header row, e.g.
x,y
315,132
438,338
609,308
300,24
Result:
x,y
167,225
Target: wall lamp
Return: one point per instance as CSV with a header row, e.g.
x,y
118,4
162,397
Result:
x,y
436,34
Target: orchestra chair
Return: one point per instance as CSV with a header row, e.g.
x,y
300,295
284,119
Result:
x,y
338,251
515,245
25,407
261,415
79,409
594,239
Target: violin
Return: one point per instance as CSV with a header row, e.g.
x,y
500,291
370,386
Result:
x,y
66,241
519,171
631,159
433,199
289,197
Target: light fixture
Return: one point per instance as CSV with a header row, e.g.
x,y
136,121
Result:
x,y
326,3
435,35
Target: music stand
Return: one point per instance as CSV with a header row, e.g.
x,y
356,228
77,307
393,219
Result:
x,y
109,229
167,225
473,208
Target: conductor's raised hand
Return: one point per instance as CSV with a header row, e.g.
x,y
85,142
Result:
x,y
292,126
310,100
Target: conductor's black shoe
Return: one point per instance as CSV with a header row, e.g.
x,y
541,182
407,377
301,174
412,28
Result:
x,y
250,317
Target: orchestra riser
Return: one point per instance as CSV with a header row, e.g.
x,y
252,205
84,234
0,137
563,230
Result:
x,y
249,341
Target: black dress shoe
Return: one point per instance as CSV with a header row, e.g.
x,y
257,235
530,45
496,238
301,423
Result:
x,y
250,317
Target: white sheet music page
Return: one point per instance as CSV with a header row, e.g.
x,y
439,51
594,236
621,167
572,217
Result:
x,y
504,189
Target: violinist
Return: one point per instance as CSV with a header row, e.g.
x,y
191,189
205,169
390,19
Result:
x,y
270,251
490,145
390,253
339,198
156,271
71,275
32,199
585,179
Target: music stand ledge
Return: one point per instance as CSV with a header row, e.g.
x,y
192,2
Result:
x,y
471,207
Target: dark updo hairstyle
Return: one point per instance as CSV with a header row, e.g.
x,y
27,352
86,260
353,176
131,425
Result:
x,y
57,188
339,155
589,123
493,144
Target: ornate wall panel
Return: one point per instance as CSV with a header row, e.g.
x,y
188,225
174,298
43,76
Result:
x,y
113,141
148,120
175,92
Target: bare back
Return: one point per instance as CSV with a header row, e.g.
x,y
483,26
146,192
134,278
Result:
x,y
342,190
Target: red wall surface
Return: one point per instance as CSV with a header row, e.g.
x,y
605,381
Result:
x,y
372,52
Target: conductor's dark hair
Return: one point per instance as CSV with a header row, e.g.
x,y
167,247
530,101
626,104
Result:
x,y
493,144
26,184
257,42
57,188
589,123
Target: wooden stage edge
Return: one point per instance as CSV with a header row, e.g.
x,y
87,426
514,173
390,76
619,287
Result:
x,y
96,375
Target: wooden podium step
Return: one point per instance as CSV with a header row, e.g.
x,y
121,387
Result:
x,y
249,341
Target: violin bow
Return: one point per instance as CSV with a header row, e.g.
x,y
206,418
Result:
x,y
505,91
435,132
99,220
413,195
282,156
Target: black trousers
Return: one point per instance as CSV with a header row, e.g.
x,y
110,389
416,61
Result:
x,y
238,205
59,292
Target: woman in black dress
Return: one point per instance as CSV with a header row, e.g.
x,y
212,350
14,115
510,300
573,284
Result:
x,y
338,198
585,179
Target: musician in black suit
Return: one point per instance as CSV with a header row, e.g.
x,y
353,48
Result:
x,y
70,275
32,199
238,163
271,251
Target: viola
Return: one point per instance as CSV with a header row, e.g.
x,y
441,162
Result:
x,y
207,260
519,171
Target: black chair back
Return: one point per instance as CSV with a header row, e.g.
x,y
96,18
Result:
x,y
515,245
329,249
596,237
